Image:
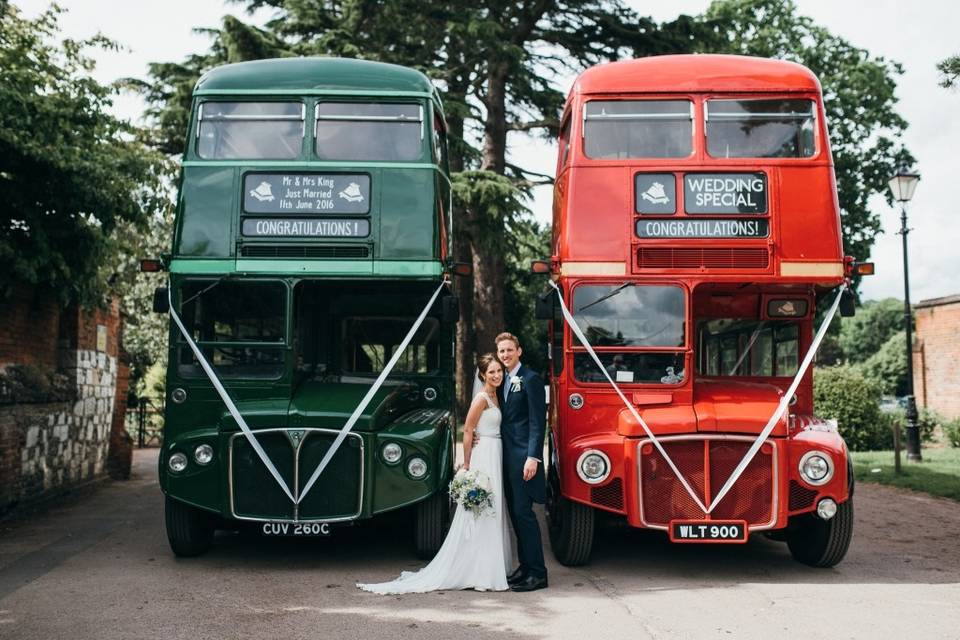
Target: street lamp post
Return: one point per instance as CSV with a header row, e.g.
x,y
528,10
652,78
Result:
x,y
903,184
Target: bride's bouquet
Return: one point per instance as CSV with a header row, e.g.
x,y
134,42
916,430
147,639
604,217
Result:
x,y
472,491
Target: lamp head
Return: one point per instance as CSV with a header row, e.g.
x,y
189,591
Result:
x,y
903,184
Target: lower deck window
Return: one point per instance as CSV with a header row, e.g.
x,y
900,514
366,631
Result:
x,y
735,347
233,362
627,367
371,342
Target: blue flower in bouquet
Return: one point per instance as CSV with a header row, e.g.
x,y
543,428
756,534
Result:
x,y
472,490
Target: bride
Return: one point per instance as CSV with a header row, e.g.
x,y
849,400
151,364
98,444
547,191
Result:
x,y
476,551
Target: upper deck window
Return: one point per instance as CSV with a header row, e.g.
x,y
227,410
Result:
x,y
369,131
250,130
638,129
760,128
630,315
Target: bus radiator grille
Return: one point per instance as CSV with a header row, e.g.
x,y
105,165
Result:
x,y
701,258
664,498
335,495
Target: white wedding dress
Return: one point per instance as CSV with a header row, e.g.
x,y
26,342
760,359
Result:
x,y
476,551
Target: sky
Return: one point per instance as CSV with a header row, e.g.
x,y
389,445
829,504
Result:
x,y
916,34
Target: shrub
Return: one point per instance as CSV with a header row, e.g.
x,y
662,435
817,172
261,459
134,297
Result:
x,y
951,430
888,366
927,421
844,394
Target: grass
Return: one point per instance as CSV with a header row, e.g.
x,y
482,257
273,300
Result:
x,y
937,474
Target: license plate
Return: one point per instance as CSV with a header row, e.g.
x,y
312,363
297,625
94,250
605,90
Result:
x,y
731,531
295,529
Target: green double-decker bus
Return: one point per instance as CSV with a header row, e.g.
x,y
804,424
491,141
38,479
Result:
x,y
309,254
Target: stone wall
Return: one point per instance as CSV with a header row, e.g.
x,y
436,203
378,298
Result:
x,y
936,354
57,422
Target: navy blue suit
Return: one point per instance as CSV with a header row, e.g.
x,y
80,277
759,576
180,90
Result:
x,y
522,431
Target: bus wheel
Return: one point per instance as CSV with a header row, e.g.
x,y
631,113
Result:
x,y
189,530
430,524
570,524
822,543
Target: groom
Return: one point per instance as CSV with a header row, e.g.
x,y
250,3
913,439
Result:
x,y
524,408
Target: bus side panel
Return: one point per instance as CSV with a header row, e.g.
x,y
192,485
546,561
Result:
x,y
808,217
404,195
208,195
596,202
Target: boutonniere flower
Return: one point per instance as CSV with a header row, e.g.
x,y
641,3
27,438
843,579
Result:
x,y
516,382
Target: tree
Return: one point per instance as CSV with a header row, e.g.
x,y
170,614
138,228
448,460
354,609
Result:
x,y
887,368
859,99
949,71
875,323
70,172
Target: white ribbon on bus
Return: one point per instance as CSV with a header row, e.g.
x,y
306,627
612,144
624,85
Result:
x,y
761,438
347,427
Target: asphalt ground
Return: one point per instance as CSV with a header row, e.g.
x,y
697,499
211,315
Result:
x,y
99,567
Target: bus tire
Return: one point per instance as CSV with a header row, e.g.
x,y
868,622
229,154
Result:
x,y
571,526
189,530
822,543
429,525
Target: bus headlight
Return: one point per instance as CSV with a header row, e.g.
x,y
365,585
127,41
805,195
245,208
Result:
x,y
177,462
391,452
593,467
816,468
417,468
203,454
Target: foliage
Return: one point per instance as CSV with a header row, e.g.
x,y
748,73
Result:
x,y
951,430
843,394
530,241
887,368
927,422
938,474
876,323
859,99
949,71
71,173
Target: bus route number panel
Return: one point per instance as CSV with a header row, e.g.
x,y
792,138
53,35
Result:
x,y
728,531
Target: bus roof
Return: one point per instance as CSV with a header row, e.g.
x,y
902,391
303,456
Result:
x,y
314,75
695,73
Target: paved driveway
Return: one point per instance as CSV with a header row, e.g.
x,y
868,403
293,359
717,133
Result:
x,y
100,568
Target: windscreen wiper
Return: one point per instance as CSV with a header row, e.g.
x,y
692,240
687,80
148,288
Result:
x,y
605,297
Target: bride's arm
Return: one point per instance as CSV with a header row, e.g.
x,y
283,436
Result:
x,y
469,425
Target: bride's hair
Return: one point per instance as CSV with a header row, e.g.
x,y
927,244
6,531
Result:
x,y
484,362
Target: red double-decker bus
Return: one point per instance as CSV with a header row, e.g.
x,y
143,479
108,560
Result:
x,y
696,227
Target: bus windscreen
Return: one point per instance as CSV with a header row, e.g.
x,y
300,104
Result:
x,y
369,131
638,129
250,130
760,128
630,316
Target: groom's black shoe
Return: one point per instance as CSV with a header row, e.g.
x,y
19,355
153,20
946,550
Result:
x,y
530,583
519,575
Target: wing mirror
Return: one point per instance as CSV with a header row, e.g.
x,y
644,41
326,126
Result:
x,y
848,304
543,308
161,301
450,309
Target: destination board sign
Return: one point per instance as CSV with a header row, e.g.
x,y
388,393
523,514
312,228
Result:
x,y
725,193
703,228
306,193
655,193
305,228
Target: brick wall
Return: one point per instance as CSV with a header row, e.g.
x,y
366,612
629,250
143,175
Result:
x,y
59,434
936,355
